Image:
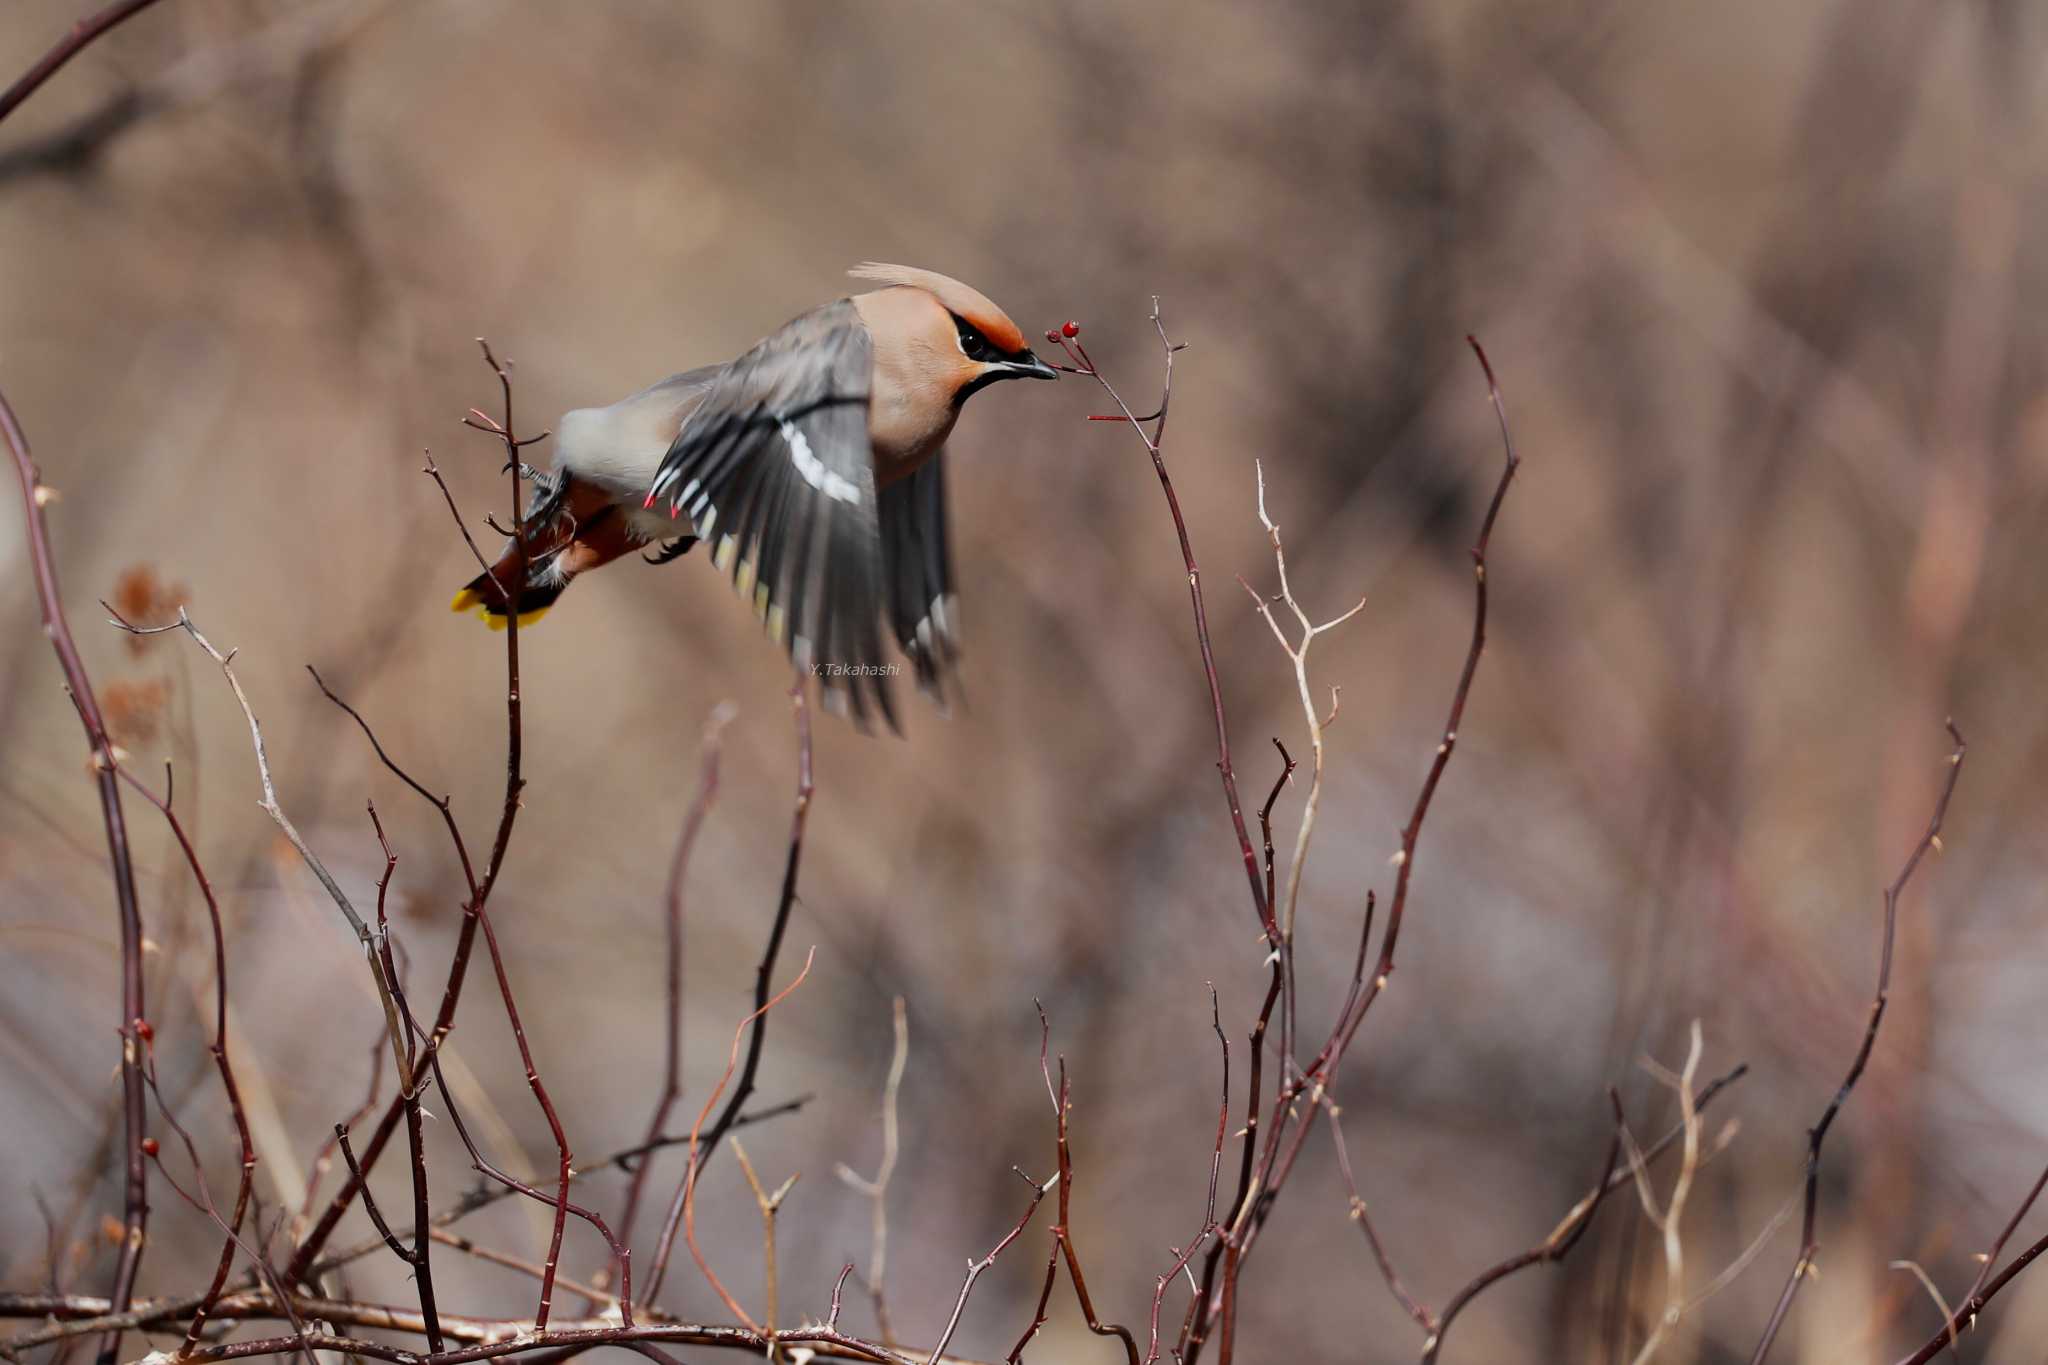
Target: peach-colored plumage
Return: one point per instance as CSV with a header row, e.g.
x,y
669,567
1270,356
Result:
x,y
968,302
812,467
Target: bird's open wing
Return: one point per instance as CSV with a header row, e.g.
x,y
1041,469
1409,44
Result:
x,y
922,609
775,473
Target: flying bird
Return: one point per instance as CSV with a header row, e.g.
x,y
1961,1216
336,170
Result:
x,y
813,468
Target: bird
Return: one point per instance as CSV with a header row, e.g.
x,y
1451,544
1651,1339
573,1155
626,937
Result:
x,y
812,466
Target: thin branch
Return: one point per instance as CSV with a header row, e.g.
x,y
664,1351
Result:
x,y
877,1190
763,978
1809,1236
268,804
35,496
1066,338
81,35
975,1268
679,866
1297,654
508,814
245,1186
696,1164
1668,1219
1573,1225
769,1205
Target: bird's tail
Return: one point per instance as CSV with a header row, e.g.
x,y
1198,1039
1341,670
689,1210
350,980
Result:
x,y
499,592
573,530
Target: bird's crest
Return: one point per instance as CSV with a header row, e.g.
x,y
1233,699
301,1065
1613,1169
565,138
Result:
x,y
967,302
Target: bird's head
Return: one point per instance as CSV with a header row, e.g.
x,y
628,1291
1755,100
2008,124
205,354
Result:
x,y
975,340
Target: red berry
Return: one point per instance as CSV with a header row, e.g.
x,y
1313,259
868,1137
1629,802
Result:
x,y
1052,335
149,1147
144,1030
1071,329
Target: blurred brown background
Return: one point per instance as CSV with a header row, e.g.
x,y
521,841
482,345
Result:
x,y
1756,280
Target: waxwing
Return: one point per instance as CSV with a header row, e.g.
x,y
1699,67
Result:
x,y
812,466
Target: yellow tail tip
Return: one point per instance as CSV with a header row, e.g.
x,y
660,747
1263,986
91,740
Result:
x,y
526,618
466,600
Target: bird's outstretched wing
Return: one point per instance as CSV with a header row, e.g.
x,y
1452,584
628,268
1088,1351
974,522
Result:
x,y
775,473
922,608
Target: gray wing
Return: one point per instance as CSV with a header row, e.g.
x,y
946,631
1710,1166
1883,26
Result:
x,y
922,608
776,475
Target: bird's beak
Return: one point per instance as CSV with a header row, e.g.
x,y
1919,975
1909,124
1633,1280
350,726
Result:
x,y
1028,366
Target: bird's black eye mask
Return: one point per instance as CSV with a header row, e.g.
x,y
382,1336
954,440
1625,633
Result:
x,y
973,344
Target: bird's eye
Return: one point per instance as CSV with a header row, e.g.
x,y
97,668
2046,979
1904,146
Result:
x,y
972,345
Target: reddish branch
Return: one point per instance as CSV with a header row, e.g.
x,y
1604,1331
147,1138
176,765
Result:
x,y
81,35
1411,833
1068,340
697,1152
479,888
679,866
976,1268
1063,1232
1573,1225
219,1048
35,494
1809,1242
763,976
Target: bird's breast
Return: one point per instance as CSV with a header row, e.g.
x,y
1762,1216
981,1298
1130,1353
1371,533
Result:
x,y
906,428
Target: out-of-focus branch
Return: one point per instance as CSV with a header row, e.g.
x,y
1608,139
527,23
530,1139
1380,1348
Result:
x,y
763,978
83,34
696,1165
1573,1225
679,866
35,496
276,51
1668,1218
245,1186
877,1190
1809,1237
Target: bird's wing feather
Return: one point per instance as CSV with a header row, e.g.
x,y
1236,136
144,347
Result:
x,y
775,472
922,608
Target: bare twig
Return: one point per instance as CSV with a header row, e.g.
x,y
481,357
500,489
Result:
x,y
763,977
975,1268
82,35
679,866
1573,1225
1067,340
696,1165
1809,1235
268,803
1297,655
877,1189
245,1186
769,1205
1668,1218
480,889
35,495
